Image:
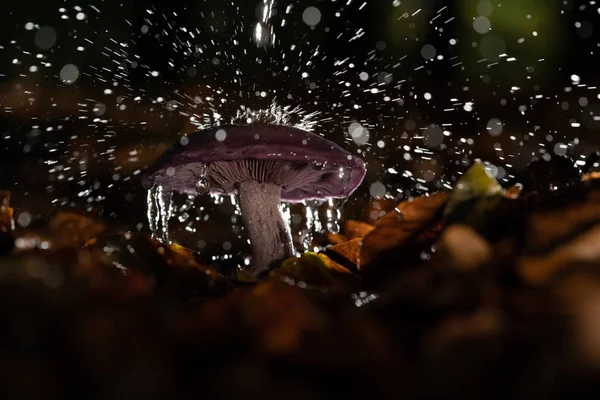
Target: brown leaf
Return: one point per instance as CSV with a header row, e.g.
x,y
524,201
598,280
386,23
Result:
x,y
315,271
331,264
409,222
376,208
335,238
538,270
171,268
513,192
280,316
72,228
459,328
590,176
548,229
241,276
349,250
465,248
182,257
357,229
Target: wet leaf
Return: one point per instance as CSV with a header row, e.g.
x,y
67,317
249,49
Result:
x,y
513,192
466,249
357,229
241,276
410,225
335,238
458,328
377,208
590,176
548,229
331,264
280,316
475,194
314,271
538,270
73,228
349,250
173,270
352,230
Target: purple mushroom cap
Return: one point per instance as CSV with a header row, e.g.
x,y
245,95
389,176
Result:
x,y
264,164
305,165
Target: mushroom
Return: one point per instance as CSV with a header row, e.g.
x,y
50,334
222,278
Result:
x,y
264,164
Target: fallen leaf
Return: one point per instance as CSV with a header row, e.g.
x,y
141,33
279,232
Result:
x,y
549,229
280,316
357,229
538,270
408,224
241,276
465,247
513,192
314,271
335,238
331,264
475,194
72,228
590,176
377,208
172,268
349,250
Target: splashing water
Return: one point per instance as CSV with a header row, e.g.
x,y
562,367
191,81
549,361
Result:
x,y
276,114
264,33
161,207
184,210
417,90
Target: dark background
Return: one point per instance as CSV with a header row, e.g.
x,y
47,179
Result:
x,y
56,152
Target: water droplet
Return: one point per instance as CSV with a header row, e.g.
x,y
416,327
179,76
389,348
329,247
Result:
x,y
318,166
69,74
185,208
45,37
345,174
311,16
334,214
318,226
203,186
220,135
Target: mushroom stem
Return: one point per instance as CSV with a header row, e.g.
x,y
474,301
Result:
x,y
269,234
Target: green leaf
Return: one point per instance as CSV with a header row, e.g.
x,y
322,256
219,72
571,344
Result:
x,y
475,194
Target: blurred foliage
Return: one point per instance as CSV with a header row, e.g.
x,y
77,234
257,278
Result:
x,y
535,24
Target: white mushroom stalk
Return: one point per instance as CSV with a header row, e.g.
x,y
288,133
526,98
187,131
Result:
x,y
269,233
